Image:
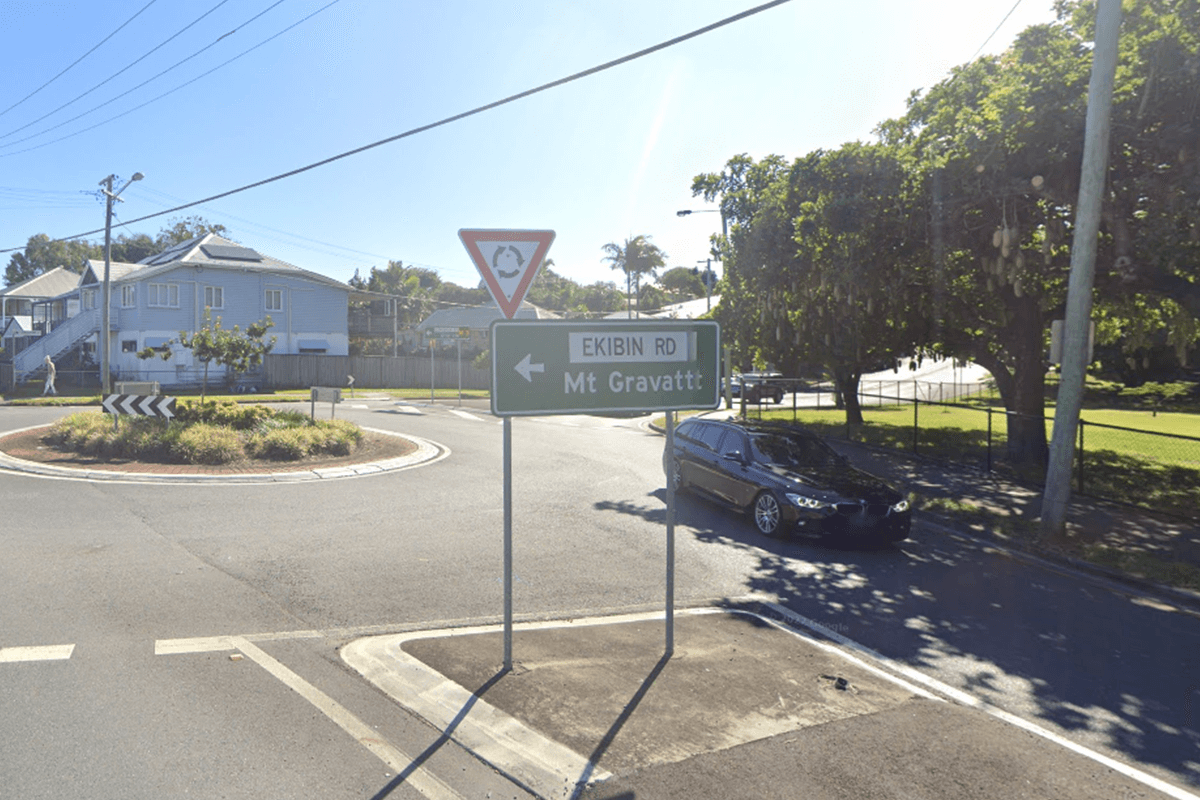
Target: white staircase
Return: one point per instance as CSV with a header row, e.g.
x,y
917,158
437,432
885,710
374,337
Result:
x,y
55,344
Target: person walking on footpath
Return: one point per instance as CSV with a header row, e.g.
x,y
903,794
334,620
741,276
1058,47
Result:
x,y
51,373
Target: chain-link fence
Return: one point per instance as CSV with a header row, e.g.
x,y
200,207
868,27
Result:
x,y
1153,469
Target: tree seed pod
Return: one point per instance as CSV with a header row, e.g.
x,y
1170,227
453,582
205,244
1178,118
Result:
x,y
1017,289
991,286
1020,260
870,305
997,238
828,340
1004,251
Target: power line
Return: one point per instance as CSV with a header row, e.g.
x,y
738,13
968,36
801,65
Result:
x,y
169,91
111,100
76,61
455,118
146,190
998,27
143,57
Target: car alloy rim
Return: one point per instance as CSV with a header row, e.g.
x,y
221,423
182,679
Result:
x,y
766,513
677,474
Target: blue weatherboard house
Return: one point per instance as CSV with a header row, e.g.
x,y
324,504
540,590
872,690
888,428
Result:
x,y
155,299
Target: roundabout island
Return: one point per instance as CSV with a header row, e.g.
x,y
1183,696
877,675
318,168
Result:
x,y
25,451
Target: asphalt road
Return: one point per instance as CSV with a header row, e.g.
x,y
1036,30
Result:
x,y
117,570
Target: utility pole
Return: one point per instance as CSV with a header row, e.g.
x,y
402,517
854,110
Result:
x,y
1057,494
708,281
103,342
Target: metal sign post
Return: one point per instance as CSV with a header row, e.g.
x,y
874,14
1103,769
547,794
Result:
x,y
508,550
324,394
542,367
508,261
670,599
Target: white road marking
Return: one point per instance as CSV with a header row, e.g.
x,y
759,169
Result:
x,y
974,702
465,415
52,652
404,408
210,644
419,778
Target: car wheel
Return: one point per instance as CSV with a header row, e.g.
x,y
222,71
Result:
x,y
778,398
768,517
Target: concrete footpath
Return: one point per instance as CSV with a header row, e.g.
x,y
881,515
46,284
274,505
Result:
x,y
747,706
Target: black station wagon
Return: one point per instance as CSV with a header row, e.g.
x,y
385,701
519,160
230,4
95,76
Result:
x,y
787,478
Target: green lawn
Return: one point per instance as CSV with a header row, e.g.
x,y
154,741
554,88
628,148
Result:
x,y
1156,472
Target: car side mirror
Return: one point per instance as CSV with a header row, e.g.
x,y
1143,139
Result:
x,y
734,455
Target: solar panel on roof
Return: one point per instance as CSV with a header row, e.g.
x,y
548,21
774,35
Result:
x,y
227,252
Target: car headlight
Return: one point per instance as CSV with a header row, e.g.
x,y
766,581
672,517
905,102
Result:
x,y
806,502
900,507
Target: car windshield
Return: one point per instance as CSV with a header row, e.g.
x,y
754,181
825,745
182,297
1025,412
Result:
x,y
791,451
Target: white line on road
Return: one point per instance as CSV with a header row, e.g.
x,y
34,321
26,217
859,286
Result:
x,y
419,778
465,414
974,702
52,652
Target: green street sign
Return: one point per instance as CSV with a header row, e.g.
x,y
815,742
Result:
x,y
449,333
542,367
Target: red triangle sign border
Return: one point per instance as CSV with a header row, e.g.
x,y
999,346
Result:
x,y
471,237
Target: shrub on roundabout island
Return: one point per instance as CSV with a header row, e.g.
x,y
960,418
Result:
x,y
210,432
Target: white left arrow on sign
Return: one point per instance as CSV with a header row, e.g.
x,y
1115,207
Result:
x,y
526,369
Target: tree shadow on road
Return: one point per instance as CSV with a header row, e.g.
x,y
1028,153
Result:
x,y
1106,669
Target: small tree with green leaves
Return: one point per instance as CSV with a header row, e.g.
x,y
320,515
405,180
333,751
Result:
x,y
228,347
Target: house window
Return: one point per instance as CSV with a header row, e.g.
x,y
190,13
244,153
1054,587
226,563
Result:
x,y
128,296
129,345
274,300
163,295
214,296
89,299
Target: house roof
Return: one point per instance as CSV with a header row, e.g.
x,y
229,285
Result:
x,y
49,284
479,317
209,251
688,309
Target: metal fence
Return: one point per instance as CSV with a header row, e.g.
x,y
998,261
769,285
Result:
x,y
1149,469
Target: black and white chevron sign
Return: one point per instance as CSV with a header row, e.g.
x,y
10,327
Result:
x,y
143,405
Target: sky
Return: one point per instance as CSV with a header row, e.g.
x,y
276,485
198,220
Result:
x,y
260,88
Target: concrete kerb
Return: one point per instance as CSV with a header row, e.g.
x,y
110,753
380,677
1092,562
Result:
x,y
531,759
426,452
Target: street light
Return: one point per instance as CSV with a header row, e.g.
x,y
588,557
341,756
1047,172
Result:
x,y
685,211
104,342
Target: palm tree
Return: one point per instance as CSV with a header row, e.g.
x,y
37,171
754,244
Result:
x,y
638,256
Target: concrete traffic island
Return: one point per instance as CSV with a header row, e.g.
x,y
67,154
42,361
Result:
x,y
745,707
